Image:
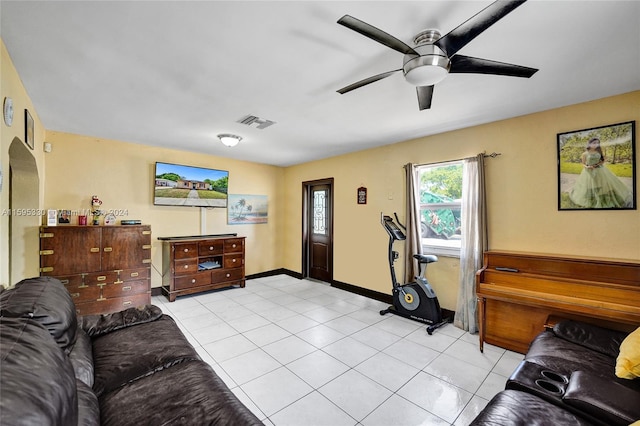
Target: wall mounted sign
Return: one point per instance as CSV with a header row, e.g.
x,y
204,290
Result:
x,y
362,195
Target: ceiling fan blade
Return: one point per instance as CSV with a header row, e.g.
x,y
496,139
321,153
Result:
x,y
474,26
366,81
425,93
471,65
376,34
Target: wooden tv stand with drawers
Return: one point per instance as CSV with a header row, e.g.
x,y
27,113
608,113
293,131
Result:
x,y
201,263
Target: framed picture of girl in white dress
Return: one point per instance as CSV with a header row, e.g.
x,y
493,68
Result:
x,y
596,168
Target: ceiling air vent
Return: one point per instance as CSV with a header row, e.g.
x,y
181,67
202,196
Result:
x,y
259,123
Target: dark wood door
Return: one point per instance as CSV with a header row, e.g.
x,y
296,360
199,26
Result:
x,y
319,230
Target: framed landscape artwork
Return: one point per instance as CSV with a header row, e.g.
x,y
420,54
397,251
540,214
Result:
x,y
596,168
247,209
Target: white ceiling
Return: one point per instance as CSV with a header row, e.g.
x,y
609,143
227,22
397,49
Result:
x,y
176,74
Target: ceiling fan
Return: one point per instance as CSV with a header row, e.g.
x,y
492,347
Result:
x,y
433,56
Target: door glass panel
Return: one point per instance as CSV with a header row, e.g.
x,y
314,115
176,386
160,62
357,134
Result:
x,y
320,212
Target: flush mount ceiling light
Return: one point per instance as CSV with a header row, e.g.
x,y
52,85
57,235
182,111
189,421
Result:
x,y
229,140
431,66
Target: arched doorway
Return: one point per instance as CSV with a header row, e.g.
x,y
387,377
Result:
x,y
23,185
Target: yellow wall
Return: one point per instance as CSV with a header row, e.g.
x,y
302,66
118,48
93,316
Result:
x,y
521,186
121,174
28,171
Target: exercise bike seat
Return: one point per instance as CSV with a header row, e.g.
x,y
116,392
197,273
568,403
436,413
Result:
x,y
425,258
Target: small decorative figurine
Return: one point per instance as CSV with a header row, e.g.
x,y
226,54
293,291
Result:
x,y
95,209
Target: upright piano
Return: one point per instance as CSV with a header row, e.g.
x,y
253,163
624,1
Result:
x,y
519,293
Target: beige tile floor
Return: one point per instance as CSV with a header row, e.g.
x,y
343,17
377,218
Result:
x,y
302,353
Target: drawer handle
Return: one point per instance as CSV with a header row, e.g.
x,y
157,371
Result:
x,y
210,248
186,250
134,274
234,246
234,260
102,278
127,303
94,250
228,275
186,266
108,249
65,282
75,294
126,288
193,281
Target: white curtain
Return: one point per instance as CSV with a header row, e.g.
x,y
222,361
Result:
x,y
413,243
474,241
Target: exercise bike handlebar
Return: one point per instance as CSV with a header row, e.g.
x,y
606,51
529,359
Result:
x,y
392,229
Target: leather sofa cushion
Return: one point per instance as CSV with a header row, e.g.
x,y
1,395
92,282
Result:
x,y
81,357
189,393
603,399
96,325
590,336
515,408
38,386
564,357
46,300
88,406
130,353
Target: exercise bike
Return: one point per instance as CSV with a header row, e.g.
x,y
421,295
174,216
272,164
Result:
x,y
416,300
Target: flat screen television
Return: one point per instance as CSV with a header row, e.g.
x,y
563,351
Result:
x,y
178,185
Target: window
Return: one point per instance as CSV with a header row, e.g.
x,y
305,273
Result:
x,y
320,211
440,207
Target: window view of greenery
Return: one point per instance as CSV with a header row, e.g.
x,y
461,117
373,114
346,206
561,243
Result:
x,y
440,202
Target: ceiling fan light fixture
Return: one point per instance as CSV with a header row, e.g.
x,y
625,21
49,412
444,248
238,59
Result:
x,y
229,139
426,70
428,62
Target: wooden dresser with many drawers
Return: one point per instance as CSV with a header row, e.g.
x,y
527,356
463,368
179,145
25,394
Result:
x,y
104,268
201,263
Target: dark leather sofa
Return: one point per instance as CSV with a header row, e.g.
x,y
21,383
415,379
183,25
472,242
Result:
x,y
133,367
567,378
